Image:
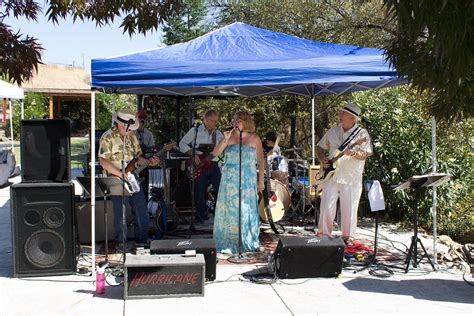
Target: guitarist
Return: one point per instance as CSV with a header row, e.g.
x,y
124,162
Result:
x,y
346,183
111,156
207,170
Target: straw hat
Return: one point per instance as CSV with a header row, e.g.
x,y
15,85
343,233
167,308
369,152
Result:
x,y
353,109
126,117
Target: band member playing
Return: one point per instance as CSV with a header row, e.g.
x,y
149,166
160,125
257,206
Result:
x,y
226,221
269,145
346,183
206,170
111,155
144,135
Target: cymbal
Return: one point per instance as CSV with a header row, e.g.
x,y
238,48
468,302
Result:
x,y
296,160
294,149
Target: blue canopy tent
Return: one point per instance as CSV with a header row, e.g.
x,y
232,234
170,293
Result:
x,y
242,60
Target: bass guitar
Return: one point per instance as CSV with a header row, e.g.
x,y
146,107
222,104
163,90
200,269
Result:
x,y
325,174
205,163
132,170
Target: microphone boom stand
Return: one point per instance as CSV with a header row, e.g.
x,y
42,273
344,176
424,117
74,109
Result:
x,y
240,258
193,184
124,214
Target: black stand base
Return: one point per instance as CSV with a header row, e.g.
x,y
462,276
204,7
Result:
x,y
239,259
414,251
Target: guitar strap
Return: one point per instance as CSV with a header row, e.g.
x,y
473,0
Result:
x,y
214,137
349,138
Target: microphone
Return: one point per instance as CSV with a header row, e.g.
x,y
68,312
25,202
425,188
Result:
x,y
227,129
128,123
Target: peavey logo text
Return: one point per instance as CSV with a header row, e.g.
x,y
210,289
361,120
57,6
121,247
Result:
x,y
184,243
313,241
141,279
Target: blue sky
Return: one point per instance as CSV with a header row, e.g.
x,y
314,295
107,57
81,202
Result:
x,y
77,43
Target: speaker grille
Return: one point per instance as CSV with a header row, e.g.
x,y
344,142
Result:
x,y
45,249
43,229
54,217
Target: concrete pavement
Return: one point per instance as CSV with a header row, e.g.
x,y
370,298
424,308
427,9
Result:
x,y
421,291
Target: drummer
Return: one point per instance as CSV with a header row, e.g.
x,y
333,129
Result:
x,y
269,146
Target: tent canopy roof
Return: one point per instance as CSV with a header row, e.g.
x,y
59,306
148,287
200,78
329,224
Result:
x,y
9,91
242,60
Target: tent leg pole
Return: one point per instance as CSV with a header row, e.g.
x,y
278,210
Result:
x,y
92,175
11,123
434,169
312,131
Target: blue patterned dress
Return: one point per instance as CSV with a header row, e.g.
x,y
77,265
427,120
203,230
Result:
x,y
226,221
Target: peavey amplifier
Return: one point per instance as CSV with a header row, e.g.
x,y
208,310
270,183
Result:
x,y
159,276
178,246
308,257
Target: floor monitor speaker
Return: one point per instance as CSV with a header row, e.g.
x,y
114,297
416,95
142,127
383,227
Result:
x,y
42,229
308,257
205,246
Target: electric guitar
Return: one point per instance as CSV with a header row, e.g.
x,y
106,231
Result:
x,y
325,174
132,169
205,162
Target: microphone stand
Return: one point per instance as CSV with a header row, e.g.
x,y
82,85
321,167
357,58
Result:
x,y
193,183
373,265
124,220
240,258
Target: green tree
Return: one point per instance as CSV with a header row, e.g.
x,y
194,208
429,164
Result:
x,y
434,46
401,132
188,24
35,107
20,55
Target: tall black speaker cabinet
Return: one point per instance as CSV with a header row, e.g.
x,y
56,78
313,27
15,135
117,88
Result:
x,y
42,217
45,151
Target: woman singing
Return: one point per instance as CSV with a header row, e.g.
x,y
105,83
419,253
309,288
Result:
x,y
226,222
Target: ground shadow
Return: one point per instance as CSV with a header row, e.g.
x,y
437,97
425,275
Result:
x,y
439,290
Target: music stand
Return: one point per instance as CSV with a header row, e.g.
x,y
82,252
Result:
x,y
418,182
106,186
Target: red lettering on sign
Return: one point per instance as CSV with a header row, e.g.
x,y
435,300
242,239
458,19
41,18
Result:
x,y
161,278
137,279
195,277
172,278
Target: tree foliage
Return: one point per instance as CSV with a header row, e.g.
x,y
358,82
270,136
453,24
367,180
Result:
x,y
187,24
20,55
434,46
401,131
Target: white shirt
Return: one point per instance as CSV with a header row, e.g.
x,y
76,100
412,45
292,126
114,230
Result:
x,y
203,137
349,169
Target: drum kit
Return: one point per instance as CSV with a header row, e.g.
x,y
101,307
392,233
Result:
x,y
290,180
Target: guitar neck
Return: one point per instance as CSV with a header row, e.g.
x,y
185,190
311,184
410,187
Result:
x,y
336,158
147,163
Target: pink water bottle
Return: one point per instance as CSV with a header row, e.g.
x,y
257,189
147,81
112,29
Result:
x,y
100,280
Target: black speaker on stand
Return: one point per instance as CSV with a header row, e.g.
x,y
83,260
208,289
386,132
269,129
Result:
x,y
42,217
45,151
